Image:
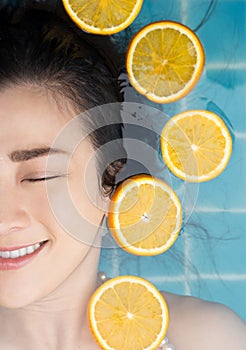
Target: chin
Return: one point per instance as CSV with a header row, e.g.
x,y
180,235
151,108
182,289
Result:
x,y
19,292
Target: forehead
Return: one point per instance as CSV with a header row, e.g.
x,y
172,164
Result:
x,y
31,115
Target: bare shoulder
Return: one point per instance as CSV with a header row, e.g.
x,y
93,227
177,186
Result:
x,y
201,325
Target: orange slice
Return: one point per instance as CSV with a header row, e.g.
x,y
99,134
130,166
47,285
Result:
x,y
128,312
196,145
164,61
103,16
145,215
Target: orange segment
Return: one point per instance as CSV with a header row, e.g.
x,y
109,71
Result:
x,y
145,216
103,16
196,145
164,61
128,312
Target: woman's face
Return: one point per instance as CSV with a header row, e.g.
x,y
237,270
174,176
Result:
x,y
30,120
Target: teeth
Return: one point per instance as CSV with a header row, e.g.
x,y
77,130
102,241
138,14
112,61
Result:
x,y
22,251
30,249
13,254
5,254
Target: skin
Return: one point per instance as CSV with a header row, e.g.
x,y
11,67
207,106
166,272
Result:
x,y
48,294
31,119
200,325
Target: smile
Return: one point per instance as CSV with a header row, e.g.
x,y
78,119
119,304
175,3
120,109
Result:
x,y
16,258
13,254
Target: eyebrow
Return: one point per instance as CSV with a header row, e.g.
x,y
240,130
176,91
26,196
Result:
x,y
27,154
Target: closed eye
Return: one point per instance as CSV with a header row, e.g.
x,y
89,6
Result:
x,y
39,179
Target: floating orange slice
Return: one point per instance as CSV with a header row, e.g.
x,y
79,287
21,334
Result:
x,y
196,145
164,61
103,16
128,312
145,216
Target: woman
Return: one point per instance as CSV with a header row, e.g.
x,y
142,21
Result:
x,y
50,72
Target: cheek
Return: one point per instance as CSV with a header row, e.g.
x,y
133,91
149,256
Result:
x,y
87,199
84,188
35,201
69,206
39,204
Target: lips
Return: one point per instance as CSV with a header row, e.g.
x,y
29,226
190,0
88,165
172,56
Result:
x,y
17,257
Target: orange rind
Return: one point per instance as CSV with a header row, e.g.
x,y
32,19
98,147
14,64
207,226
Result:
x,y
104,17
164,61
196,145
128,312
145,216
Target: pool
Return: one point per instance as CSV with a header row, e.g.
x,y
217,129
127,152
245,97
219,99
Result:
x,y
209,258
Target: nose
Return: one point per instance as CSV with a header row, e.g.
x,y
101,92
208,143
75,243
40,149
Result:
x,y
13,215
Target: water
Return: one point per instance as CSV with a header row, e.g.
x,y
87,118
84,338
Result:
x,y
208,259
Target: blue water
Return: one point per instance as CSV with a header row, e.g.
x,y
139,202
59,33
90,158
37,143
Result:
x,y
209,258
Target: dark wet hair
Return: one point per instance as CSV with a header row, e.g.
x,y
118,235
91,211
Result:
x,y
40,48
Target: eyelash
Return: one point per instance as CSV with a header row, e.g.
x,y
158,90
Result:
x,y
42,178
